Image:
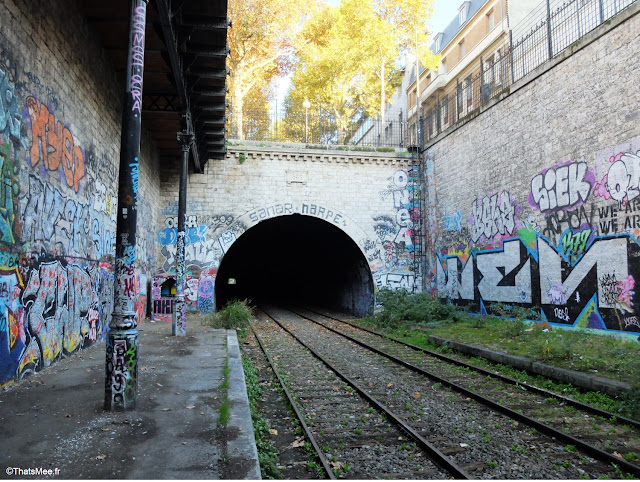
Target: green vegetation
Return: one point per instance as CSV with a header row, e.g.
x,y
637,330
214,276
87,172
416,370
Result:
x,y
414,317
235,315
401,308
224,386
267,452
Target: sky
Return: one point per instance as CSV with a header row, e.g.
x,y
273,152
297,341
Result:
x,y
443,13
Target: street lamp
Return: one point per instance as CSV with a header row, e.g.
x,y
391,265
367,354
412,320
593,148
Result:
x,y
306,104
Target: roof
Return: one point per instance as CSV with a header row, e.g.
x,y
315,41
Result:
x,y
450,31
184,74
454,27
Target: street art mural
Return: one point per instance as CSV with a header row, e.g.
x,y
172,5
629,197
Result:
x,y
573,260
397,234
58,206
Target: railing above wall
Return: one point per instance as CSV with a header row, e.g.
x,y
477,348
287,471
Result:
x,y
319,129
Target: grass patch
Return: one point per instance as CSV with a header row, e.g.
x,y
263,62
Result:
x,y
402,307
224,408
236,315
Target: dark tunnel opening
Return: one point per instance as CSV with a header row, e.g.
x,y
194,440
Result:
x,y
296,260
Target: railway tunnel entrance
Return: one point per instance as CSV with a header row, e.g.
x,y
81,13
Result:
x,y
295,260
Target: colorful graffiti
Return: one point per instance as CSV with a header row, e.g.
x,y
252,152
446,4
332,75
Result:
x,y
53,143
10,119
622,181
493,217
12,324
397,236
206,289
562,186
604,276
65,226
577,267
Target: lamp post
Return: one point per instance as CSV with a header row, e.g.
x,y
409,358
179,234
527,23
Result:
x,y
306,104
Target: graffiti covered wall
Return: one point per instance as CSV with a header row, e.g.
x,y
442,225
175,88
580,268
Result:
x,y
59,167
544,213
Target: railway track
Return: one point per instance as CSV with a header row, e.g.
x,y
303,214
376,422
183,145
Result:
x,y
371,415
608,432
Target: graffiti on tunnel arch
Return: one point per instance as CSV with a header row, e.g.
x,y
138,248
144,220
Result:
x,y
596,291
397,235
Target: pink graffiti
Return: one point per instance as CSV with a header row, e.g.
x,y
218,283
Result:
x,y
626,290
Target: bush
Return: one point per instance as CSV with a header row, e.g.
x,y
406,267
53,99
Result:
x,y
235,315
401,307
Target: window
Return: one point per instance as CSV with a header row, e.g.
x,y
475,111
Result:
x,y
437,44
443,66
463,50
489,74
469,88
492,21
445,110
463,12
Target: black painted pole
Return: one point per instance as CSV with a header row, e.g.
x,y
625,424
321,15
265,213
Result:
x,y
179,325
121,380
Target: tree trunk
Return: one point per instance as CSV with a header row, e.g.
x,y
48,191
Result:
x,y
383,98
237,103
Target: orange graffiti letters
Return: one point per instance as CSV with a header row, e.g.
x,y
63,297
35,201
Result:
x,y
54,144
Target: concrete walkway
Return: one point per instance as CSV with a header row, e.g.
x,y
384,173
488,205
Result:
x,y
55,418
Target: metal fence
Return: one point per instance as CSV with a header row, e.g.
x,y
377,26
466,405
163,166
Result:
x,y
319,128
548,30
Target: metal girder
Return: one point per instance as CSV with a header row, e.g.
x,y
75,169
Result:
x,y
202,22
208,73
210,91
176,67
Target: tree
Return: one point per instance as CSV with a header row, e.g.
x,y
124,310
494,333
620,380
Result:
x,y
409,18
261,41
375,36
339,62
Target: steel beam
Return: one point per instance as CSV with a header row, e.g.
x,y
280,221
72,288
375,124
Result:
x,y
176,66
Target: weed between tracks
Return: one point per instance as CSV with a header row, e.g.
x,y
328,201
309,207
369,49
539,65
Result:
x,y
413,317
235,315
267,451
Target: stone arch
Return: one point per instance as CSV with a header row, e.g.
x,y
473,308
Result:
x,y
309,211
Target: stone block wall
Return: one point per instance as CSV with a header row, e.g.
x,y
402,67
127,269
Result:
x,y
535,203
371,197
60,116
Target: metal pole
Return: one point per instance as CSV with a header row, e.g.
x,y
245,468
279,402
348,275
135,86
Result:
x,y
457,99
513,77
550,43
179,320
121,371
